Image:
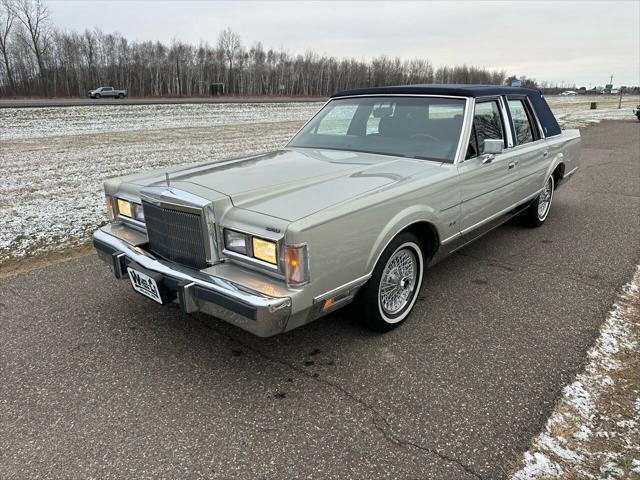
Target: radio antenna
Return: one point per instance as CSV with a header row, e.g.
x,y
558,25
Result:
x,y
166,174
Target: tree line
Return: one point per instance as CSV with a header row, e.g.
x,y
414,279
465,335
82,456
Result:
x,y
39,59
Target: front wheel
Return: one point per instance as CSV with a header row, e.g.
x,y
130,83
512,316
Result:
x,y
390,294
97,95
538,211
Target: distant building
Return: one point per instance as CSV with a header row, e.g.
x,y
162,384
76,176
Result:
x,y
216,89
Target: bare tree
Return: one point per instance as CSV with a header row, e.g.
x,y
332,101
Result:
x,y
45,60
7,18
229,46
34,16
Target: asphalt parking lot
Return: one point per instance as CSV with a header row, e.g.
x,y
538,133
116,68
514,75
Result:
x,y
97,382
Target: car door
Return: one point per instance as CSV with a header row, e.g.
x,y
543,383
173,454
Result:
x,y
487,181
530,146
107,92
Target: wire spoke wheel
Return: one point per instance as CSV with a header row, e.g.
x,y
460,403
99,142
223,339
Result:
x,y
389,296
398,283
544,202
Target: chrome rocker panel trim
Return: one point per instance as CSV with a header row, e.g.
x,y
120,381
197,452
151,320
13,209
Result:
x,y
200,292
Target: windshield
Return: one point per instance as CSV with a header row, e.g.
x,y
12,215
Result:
x,y
416,127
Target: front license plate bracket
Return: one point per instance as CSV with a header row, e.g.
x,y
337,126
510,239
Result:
x,y
150,284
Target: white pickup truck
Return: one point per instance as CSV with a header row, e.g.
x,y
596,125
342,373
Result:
x,y
107,92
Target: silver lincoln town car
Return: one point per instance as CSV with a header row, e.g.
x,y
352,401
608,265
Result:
x,y
380,184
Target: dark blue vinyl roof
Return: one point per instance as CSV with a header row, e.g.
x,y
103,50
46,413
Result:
x,y
443,89
544,113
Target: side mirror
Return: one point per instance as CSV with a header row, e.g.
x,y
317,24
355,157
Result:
x,y
493,146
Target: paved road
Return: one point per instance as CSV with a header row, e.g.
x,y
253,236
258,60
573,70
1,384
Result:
x,y
74,102
97,382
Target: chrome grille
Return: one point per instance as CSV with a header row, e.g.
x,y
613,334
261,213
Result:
x,y
175,235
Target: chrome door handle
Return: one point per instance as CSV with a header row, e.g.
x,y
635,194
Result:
x,y
511,165
545,154
488,158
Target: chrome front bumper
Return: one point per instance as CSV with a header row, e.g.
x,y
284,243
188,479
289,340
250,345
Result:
x,y
197,291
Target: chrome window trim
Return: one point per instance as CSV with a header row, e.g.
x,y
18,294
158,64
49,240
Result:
x,y
506,124
543,135
388,95
531,110
515,148
467,127
398,95
467,120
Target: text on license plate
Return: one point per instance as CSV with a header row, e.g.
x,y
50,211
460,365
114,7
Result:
x,y
144,284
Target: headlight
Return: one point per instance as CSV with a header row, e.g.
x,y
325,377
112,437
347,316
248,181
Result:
x,y
130,210
250,246
236,241
296,263
265,250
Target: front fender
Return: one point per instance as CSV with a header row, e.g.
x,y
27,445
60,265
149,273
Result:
x,y
401,221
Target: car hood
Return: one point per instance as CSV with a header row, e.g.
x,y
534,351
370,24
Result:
x,y
293,183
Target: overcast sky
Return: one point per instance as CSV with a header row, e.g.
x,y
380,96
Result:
x,y
582,42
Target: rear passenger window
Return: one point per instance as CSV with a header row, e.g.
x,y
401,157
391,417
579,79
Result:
x,y
487,125
521,122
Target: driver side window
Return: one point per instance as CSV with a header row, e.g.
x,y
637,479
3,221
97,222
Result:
x,y
487,124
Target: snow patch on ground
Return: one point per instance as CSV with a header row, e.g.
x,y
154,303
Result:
x,y
568,446
575,112
56,159
538,465
28,123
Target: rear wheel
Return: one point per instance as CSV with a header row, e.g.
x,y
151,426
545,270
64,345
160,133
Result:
x,y
538,211
121,95
390,294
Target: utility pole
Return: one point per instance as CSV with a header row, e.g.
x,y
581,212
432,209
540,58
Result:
x,y
620,99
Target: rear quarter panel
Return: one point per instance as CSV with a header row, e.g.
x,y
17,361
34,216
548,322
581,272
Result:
x,y
565,149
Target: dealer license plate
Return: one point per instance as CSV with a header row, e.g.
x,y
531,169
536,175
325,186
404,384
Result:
x,y
144,284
